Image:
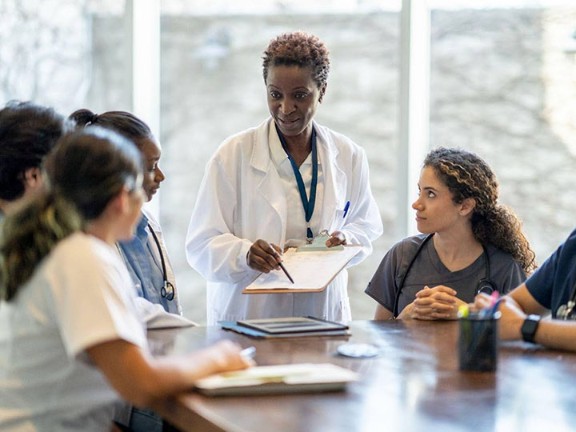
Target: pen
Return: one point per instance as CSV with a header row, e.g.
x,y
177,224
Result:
x,y
346,207
490,311
286,272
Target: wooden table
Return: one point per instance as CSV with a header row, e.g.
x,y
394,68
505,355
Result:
x,y
415,385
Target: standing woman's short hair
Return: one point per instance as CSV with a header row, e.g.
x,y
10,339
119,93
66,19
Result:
x,y
85,171
468,176
27,134
299,49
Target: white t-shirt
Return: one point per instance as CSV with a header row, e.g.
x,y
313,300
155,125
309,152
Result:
x,y
79,296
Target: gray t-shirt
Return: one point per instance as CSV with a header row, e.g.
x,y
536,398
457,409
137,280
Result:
x,y
505,273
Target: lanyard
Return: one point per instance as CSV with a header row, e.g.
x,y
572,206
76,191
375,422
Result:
x,y
308,204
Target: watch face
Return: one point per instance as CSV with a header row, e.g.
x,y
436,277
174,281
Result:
x,y
529,327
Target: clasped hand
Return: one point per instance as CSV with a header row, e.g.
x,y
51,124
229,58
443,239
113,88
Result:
x,y
435,303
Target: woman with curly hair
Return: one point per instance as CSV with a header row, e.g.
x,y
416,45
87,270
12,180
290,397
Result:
x,y
279,185
469,244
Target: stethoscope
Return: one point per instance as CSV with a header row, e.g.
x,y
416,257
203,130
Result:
x,y
167,291
566,311
485,285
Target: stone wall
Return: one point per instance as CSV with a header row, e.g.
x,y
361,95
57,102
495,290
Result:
x,y
492,78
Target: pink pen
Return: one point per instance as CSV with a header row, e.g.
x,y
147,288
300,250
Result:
x,y
490,311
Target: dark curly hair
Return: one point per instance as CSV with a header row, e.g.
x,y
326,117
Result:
x,y
85,171
299,49
28,132
468,176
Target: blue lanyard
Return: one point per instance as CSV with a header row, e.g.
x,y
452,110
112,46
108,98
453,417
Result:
x,y
307,204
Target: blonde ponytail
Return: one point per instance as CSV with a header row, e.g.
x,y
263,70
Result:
x,y
29,235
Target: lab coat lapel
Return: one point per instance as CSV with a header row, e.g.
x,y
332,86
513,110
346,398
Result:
x,y
334,178
269,185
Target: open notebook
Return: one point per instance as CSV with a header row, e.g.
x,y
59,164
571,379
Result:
x,y
288,378
312,271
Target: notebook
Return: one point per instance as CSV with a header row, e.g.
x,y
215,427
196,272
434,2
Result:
x,y
277,379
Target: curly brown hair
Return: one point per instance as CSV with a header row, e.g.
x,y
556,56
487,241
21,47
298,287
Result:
x,y
299,49
468,176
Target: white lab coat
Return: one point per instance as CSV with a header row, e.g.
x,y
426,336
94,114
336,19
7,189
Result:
x,y
241,199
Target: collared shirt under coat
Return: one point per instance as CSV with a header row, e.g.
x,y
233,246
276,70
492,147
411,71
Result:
x,y
142,257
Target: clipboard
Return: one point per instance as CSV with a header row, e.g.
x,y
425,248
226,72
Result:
x,y
312,271
319,244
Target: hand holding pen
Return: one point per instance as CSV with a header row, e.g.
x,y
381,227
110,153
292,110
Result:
x,y
485,306
265,257
512,315
491,309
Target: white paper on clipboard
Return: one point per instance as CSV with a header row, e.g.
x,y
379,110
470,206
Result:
x,y
312,271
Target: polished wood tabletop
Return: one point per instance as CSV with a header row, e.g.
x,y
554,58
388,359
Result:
x,y
414,385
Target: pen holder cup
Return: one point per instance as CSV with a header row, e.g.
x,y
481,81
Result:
x,y
478,344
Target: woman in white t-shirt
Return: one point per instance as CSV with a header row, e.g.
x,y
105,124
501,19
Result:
x,y
70,338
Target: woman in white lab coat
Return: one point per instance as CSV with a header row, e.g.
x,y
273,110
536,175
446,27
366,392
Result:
x,y
278,185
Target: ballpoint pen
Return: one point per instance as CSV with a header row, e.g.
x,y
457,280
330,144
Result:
x,y
286,272
346,207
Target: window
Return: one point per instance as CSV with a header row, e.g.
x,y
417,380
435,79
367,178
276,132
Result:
x,y
501,84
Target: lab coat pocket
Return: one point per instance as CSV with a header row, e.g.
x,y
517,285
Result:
x,y
338,221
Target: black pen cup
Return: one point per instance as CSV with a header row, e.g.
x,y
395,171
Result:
x,y
478,344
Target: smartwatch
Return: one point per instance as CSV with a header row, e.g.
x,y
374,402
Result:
x,y
529,328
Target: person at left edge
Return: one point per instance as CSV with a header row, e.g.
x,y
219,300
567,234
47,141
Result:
x,y
250,206
71,341
28,132
145,254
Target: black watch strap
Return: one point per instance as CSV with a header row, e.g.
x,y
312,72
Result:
x,y
529,327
